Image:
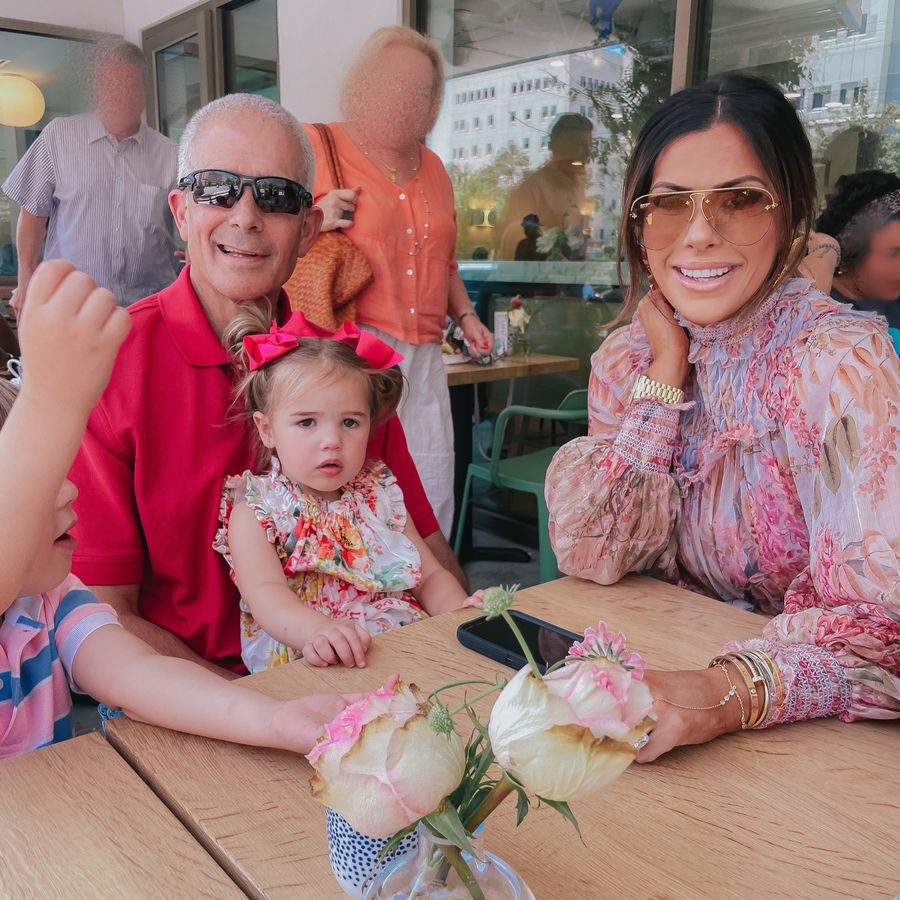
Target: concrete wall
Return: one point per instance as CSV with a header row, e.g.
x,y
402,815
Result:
x,y
93,15
316,41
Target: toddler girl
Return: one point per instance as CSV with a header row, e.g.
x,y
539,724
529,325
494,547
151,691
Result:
x,y
321,525
54,634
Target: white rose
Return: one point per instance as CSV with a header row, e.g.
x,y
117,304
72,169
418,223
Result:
x,y
573,731
382,766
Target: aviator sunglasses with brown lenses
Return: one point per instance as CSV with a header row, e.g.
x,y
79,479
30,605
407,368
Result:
x,y
740,215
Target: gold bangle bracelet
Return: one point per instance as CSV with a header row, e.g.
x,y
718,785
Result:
x,y
773,683
760,680
746,673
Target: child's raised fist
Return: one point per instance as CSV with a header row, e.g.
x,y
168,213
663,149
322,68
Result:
x,y
70,332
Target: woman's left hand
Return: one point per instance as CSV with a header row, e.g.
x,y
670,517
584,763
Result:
x,y
822,255
477,335
676,727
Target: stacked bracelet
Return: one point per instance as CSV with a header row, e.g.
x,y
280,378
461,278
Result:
x,y
762,679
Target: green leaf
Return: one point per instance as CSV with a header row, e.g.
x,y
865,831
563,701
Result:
x,y
563,809
394,842
445,821
522,805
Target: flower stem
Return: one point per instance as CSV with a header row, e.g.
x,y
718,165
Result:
x,y
455,858
499,792
522,643
492,689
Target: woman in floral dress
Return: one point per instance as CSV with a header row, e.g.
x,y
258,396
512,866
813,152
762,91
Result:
x,y
745,428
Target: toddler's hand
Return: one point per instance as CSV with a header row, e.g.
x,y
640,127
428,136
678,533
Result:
x,y
70,332
338,642
477,600
298,723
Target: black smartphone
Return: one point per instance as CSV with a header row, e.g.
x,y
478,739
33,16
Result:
x,y
548,643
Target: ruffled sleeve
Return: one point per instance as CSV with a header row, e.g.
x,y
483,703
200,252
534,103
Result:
x,y
837,643
612,497
252,490
389,506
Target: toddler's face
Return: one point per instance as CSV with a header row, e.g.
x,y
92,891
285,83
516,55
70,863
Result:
x,y
321,435
54,562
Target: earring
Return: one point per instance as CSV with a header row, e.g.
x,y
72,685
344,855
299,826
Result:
x,y
649,271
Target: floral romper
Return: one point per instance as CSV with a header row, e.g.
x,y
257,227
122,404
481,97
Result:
x,y
346,558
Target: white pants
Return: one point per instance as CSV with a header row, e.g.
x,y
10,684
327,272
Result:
x,y
425,415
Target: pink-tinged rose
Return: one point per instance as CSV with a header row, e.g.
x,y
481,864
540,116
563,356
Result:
x,y
382,766
515,302
573,731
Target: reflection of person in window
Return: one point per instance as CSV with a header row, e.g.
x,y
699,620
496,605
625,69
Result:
x,y
526,249
555,192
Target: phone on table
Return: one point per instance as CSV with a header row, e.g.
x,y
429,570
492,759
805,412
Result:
x,y
548,643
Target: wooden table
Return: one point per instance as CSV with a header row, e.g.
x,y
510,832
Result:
x,y
809,810
76,821
510,367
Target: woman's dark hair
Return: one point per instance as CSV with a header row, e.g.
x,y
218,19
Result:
x,y
760,112
851,195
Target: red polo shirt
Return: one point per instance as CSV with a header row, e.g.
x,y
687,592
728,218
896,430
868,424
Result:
x,y
150,471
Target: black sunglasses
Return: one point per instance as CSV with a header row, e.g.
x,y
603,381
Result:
x,y
271,192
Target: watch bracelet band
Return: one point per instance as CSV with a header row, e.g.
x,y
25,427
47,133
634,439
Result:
x,y
647,388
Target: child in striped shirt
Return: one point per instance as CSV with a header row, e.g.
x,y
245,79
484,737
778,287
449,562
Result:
x,y
54,634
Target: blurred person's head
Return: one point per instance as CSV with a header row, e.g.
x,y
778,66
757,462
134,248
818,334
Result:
x,y
718,199
531,225
242,254
118,85
571,138
394,87
864,215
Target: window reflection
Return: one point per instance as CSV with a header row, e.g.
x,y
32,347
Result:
x,y
251,48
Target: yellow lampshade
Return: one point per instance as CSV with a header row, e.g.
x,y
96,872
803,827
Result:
x,y
21,101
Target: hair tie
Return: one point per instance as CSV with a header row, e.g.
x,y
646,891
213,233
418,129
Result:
x,y
262,349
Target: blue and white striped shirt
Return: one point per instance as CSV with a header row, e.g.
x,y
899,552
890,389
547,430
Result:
x,y
106,202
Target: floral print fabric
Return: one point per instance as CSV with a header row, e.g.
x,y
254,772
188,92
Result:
x,y
346,558
775,487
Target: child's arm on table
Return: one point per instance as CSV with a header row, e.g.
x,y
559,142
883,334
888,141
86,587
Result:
x,y
70,332
438,591
277,609
120,670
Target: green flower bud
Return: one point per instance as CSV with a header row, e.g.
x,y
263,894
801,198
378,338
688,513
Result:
x,y
498,599
439,719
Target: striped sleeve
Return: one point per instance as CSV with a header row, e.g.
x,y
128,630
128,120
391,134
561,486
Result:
x,y
78,615
32,182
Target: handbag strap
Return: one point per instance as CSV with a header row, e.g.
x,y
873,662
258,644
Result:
x,y
334,165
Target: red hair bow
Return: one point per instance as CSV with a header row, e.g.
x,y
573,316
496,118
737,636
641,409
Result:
x,y
280,339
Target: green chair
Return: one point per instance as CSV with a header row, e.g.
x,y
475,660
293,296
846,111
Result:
x,y
523,473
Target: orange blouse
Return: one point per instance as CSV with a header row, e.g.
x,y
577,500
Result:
x,y
409,293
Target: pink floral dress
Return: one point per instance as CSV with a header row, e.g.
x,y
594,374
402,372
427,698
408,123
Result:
x,y
346,558
775,487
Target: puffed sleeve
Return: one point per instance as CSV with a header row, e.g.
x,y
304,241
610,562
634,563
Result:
x,y
613,500
837,643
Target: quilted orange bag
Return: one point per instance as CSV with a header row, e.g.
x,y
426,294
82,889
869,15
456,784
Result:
x,y
326,281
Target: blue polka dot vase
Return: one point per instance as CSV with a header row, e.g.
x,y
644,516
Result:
x,y
354,857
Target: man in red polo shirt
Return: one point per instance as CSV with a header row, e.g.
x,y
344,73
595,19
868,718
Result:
x,y
165,433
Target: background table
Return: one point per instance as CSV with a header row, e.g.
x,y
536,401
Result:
x,y
510,367
76,821
809,810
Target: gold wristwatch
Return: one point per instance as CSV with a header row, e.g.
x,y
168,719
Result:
x,y
656,390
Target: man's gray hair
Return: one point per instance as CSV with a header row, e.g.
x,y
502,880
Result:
x,y
115,51
262,106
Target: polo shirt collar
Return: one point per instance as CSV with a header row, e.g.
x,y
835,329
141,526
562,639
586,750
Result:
x,y
188,326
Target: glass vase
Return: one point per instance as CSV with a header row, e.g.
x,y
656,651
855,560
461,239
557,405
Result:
x,y
520,345
428,874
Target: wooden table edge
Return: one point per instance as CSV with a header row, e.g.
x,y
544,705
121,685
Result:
x,y
472,373
227,864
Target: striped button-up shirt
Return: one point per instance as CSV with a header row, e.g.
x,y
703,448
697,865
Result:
x,y
106,202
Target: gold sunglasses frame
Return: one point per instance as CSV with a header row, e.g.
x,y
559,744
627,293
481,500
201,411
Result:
x,y
773,204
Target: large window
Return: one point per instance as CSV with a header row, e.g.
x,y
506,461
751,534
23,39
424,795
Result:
x,y
839,63
219,47
55,63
